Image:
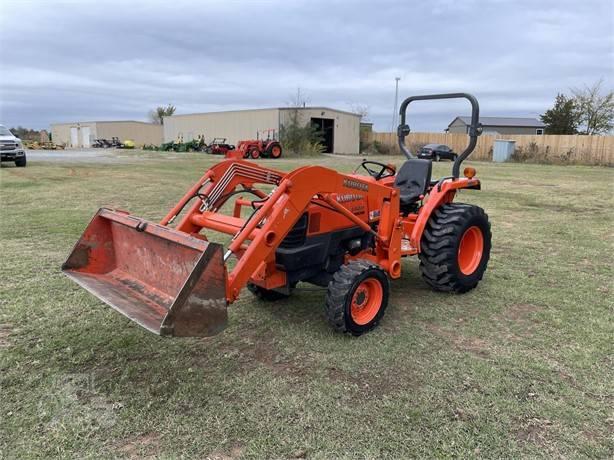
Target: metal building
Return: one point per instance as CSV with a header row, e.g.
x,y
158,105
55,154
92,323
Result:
x,y
82,134
340,129
499,125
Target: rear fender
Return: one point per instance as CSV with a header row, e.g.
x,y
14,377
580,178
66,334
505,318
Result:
x,y
439,195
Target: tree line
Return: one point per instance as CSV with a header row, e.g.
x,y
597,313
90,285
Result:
x,y
587,110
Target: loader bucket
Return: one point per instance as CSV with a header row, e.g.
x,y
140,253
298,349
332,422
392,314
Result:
x,y
169,282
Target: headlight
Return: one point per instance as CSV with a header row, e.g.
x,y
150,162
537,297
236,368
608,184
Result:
x,y
19,143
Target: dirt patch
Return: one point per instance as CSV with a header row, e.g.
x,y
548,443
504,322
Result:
x,y
266,354
142,446
462,415
263,351
5,332
369,384
81,172
571,381
473,345
520,311
235,452
534,431
19,172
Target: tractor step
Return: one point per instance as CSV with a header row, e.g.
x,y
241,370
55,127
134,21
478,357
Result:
x,y
168,282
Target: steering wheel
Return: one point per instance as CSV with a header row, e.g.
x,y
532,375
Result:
x,y
383,171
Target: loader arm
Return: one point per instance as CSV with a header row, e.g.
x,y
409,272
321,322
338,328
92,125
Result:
x,y
256,239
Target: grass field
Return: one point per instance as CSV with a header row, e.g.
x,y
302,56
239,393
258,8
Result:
x,y
520,367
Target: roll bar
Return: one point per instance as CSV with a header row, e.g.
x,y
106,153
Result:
x,y
475,129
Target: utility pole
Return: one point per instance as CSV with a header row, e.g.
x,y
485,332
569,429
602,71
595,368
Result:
x,y
396,103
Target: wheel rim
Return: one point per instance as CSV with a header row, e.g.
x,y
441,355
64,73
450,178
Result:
x,y
275,152
470,250
366,301
255,153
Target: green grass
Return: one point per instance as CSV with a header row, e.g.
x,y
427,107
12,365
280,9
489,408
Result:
x,y
520,367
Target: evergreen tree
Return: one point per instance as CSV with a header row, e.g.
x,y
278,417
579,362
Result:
x,y
563,118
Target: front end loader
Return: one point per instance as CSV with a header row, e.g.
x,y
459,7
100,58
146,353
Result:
x,y
345,232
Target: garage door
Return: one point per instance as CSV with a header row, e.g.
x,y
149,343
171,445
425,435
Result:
x,y
74,137
85,136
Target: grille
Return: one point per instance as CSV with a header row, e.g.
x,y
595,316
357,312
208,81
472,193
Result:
x,y
8,146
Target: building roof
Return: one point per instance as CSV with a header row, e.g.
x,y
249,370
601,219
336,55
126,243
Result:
x,y
320,108
102,121
267,108
504,121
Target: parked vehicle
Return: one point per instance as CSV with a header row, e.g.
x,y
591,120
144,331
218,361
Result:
x,y
219,146
11,148
437,152
259,147
101,144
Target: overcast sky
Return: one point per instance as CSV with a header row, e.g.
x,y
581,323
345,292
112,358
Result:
x,y
107,60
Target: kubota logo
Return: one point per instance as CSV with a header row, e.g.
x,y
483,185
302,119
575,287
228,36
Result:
x,y
348,197
349,183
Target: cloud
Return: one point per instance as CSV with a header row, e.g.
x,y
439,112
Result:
x,y
75,60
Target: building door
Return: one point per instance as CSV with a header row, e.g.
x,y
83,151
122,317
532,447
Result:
x,y
326,130
74,137
85,137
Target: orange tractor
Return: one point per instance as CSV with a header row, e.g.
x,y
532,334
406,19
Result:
x,y
346,232
259,147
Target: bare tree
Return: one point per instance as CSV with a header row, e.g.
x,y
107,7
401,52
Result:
x,y
596,108
362,110
298,100
157,115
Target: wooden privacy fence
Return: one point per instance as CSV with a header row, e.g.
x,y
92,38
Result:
x,y
589,150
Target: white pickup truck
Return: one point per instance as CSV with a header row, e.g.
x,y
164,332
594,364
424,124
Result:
x,y
11,148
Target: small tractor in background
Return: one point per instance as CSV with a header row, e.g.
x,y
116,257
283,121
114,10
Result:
x,y
178,145
259,147
35,145
218,146
347,233
101,144
113,143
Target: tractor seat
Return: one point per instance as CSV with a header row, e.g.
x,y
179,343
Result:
x,y
413,180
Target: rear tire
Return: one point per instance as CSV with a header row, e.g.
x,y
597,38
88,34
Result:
x,y
267,295
21,163
357,297
455,248
275,151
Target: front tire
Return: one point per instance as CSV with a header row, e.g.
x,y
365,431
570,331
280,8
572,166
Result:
x,y
357,297
21,163
455,248
254,153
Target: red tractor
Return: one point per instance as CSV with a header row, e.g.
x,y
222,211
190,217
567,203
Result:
x,y
260,147
218,146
